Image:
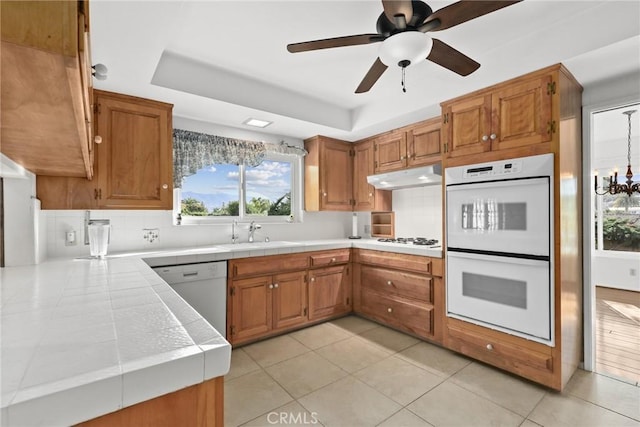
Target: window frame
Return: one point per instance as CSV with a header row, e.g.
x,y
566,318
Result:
x,y
296,198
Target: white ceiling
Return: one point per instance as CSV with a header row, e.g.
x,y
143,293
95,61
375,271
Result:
x,y
225,61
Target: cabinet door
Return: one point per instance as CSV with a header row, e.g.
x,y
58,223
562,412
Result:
x,y
336,171
289,299
423,144
363,192
135,158
522,114
391,152
329,291
251,308
467,126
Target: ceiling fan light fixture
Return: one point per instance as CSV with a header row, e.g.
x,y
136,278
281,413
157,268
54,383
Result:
x,y
412,46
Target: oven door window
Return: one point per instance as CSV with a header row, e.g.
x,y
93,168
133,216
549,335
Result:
x,y
509,294
503,216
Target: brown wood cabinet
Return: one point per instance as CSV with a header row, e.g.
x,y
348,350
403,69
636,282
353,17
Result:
x,y
329,291
511,115
135,159
46,86
407,147
402,291
273,294
366,196
534,114
328,172
134,162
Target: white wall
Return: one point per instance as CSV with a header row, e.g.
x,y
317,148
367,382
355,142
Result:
x,y
127,230
620,271
23,231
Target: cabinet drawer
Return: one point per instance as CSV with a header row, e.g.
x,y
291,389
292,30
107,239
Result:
x,y
413,316
501,352
397,282
268,264
419,264
320,259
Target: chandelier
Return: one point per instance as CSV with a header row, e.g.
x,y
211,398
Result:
x,y
614,188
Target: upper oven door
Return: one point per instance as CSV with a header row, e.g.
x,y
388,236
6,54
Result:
x,y
502,217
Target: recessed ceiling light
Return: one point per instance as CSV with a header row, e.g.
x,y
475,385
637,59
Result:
x,y
256,123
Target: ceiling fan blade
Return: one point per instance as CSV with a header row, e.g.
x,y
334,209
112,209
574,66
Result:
x,y
460,12
335,42
398,7
447,57
372,76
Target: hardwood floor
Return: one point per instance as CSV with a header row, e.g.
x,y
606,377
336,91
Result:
x,y
618,334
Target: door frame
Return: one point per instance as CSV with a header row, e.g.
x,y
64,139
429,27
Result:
x,y
589,288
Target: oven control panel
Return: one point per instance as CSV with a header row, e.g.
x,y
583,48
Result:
x,y
497,169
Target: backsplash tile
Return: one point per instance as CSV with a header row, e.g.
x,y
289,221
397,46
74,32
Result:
x,y
418,212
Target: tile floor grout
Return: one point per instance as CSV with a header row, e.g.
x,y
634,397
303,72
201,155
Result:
x,y
391,353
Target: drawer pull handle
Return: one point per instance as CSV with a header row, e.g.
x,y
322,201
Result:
x,y
389,282
389,309
333,260
489,347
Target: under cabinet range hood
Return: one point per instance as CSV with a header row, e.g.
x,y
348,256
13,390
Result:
x,y
407,178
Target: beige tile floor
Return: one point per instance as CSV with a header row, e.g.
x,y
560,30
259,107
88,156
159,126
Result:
x,y
353,372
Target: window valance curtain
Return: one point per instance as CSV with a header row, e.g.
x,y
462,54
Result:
x,y
193,151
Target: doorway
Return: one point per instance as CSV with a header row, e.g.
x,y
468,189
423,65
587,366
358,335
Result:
x,y
613,337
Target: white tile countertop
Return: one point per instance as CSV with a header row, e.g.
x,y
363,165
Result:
x,y
82,338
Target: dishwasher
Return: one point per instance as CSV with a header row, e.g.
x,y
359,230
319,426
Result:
x,y
203,286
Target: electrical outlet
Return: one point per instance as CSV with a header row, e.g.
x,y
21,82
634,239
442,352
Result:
x,y
633,272
70,238
367,229
151,234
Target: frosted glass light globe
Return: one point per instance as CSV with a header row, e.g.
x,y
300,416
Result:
x,y
410,46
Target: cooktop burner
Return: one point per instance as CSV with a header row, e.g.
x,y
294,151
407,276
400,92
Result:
x,y
422,241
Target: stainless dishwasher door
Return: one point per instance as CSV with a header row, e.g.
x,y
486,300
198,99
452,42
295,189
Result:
x,y
203,286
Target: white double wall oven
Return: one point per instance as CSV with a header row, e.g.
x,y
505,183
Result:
x,y
499,229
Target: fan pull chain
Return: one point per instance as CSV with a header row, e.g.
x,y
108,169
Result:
x,y
404,89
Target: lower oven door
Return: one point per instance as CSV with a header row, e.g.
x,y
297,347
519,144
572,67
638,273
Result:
x,y
513,295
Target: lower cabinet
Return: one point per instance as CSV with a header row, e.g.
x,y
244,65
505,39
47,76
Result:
x,y
262,304
403,291
273,294
329,291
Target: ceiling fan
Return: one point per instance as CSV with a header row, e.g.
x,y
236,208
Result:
x,y
401,29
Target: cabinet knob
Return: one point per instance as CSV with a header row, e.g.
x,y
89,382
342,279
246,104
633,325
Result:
x,y
313,279
485,138
270,286
389,309
165,186
493,136
97,139
333,260
370,194
403,157
324,194
275,285
389,282
489,347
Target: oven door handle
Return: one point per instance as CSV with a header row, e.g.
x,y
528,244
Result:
x,y
533,260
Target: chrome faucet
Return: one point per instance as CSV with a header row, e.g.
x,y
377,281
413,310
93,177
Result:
x,y
252,228
234,236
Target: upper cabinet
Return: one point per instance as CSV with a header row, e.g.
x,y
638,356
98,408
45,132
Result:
x,y
511,115
133,164
135,158
328,172
411,146
366,197
46,86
